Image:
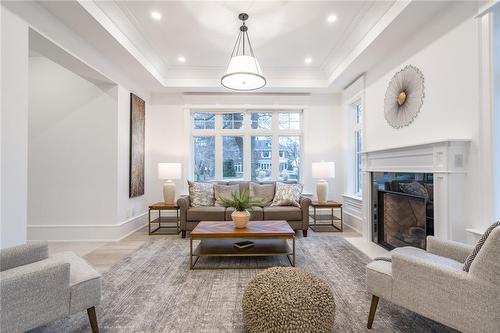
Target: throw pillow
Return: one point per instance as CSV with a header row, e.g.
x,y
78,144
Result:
x,y
479,245
287,195
201,194
262,192
415,188
225,192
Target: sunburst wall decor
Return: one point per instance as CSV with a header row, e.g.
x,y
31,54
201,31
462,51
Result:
x,y
404,97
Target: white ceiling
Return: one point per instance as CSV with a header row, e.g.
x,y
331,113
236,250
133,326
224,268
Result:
x,y
283,34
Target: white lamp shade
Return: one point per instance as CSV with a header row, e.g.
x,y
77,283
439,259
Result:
x,y
323,170
169,171
243,73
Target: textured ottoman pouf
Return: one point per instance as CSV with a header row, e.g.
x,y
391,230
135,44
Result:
x,y
288,300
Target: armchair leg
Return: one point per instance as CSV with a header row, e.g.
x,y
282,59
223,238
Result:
x,y
373,309
304,233
93,319
183,234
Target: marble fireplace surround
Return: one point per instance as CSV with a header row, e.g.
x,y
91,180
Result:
x,y
446,159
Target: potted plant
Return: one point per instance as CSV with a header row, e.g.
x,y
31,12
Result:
x,y
242,205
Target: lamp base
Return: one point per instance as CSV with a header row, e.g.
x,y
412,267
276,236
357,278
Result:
x,y
169,192
322,191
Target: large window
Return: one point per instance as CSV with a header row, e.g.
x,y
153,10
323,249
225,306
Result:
x,y
358,146
256,145
289,148
204,120
232,155
261,154
204,158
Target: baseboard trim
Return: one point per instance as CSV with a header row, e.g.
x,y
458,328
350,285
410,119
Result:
x,y
353,221
87,232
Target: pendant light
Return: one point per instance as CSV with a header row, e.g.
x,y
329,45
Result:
x,y
243,72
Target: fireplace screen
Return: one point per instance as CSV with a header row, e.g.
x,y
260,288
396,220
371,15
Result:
x,y
403,209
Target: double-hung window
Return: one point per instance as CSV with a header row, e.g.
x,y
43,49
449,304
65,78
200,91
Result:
x,y
358,146
259,145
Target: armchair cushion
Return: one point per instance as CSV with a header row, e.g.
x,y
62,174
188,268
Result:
x,y
439,289
34,294
449,249
479,245
379,279
23,254
84,282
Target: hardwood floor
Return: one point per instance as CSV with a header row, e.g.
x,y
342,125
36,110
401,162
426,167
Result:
x,y
103,255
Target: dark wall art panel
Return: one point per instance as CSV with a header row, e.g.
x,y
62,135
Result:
x,y
137,134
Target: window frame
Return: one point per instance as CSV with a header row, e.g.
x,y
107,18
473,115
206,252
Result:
x,y
358,149
356,155
246,132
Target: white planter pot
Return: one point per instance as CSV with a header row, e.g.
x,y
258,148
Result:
x,y
240,219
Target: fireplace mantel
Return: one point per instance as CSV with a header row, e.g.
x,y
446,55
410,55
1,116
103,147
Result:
x,y
446,159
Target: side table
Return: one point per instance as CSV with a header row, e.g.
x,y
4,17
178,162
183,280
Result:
x,y
320,227
164,222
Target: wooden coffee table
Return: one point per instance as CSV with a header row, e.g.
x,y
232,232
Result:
x,y
218,238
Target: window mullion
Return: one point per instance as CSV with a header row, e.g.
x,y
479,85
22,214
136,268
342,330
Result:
x,y
275,147
218,147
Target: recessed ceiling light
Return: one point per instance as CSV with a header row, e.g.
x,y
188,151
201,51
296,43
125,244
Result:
x,y
331,18
308,60
156,15
181,59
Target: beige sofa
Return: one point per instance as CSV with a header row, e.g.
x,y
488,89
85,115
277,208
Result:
x,y
297,217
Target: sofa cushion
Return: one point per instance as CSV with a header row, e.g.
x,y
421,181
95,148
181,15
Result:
x,y
287,194
84,282
242,184
289,213
262,192
213,213
225,192
201,194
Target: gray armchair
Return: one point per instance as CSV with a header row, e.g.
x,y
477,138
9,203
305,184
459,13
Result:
x,y
36,289
433,283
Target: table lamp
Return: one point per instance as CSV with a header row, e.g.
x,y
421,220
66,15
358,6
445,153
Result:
x,y
323,171
169,172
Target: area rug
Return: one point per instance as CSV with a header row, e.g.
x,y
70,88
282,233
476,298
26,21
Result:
x,y
153,290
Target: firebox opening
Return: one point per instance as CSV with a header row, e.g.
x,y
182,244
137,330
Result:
x,y
403,209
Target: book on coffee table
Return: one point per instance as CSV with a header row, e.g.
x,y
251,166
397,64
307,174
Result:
x,y
244,244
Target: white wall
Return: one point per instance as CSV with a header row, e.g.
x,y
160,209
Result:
x,y
121,215
78,157
496,103
14,129
72,148
450,109
450,65
170,132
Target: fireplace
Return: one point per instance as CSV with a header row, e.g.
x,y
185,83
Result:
x,y
440,167
403,208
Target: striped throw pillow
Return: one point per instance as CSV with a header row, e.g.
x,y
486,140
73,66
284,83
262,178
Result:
x,y
477,248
